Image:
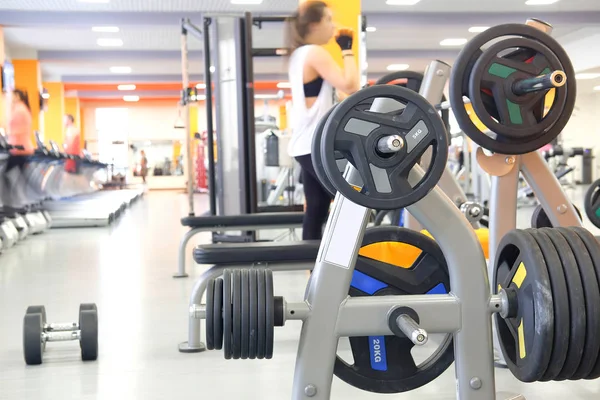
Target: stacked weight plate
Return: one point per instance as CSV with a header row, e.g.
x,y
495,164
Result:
x,y
550,330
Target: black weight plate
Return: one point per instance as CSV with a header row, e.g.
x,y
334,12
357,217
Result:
x,y
592,303
316,154
218,314
37,310
237,313
592,203
87,306
384,364
562,319
32,339
525,338
210,328
88,324
516,114
576,303
252,346
227,315
245,313
261,335
461,72
539,218
270,314
593,247
354,133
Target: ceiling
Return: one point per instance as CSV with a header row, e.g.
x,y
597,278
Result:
x,y
58,33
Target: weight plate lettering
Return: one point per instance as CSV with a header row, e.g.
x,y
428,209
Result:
x,y
270,314
524,338
385,364
576,303
592,304
245,314
262,315
252,347
210,329
237,313
227,316
591,243
561,307
218,314
356,133
592,203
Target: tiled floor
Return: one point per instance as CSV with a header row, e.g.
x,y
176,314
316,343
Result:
x,y
126,269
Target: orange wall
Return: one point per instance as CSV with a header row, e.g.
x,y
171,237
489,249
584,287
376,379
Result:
x,y
28,77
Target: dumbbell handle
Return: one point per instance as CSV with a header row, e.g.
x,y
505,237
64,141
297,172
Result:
x,y
61,327
61,336
543,82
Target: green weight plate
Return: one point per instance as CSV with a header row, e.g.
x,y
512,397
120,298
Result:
x,y
32,339
227,315
592,203
576,303
210,328
261,335
386,364
539,218
593,247
592,303
237,313
218,314
88,324
253,286
245,313
270,314
562,319
525,338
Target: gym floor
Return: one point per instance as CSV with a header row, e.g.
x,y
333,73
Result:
x,y
126,269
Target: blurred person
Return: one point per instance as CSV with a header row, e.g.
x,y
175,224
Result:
x,y
20,124
72,143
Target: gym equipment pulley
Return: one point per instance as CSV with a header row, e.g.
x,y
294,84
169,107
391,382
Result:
x,y
384,147
506,73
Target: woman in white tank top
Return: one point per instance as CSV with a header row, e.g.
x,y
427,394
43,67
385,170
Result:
x,y
313,74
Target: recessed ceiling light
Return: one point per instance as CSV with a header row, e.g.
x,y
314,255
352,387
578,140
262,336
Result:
x,y
402,2
540,2
246,1
105,29
596,87
478,29
587,75
126,87
120,70
93,1
397,67
371,29
284,85
45,95
131,98
201,86
212,69
453,42
109,42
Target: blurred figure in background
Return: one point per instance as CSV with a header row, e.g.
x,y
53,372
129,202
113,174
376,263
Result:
x,y
72,143
143,165
20,124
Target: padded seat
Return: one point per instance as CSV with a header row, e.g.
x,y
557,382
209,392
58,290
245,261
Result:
x,y
257,252
258,219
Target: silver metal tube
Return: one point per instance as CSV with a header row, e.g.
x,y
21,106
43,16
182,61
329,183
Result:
x,y
61,327
541,25
551,80
390,144
61,336
412,330
296,311
186,118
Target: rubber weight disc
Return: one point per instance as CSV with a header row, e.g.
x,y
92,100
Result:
x,y
269,314
385,364
592,303
317,161
88,324
39,310
593,247
253,301
576,303
218,314
32,339
539,218
227,315
237,313
245,313
561,306
526,337
262,316
357,134
592,203
210,316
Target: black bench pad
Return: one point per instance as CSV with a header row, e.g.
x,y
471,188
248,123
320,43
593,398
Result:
x,y
257,252
273,218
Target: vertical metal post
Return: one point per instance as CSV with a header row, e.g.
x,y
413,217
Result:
x,y
186,109
212,189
